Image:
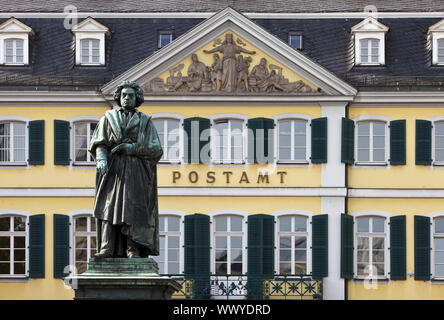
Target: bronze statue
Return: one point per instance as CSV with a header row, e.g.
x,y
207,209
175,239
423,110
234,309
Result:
x,y
229,73
127,148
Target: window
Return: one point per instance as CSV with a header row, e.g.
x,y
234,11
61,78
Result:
x,y
14,51
83,131
369,51
371,142
295,40
438,149
292,140
292,241
169,135
13,233
228,245
12,142
438,247
369,42
371,247
90,53
165,38
441,51
85,246
229,141
90,42
169,239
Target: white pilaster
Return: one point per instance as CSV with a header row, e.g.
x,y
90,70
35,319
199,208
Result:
x,y
333,174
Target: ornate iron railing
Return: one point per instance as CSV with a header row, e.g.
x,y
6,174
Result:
x,y
240,286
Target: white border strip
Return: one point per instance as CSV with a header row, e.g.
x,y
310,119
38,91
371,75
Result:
x,y
396,193
205,15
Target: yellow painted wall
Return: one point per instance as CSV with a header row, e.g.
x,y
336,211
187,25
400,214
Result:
x,y
57,176
399,289
50,288
399,176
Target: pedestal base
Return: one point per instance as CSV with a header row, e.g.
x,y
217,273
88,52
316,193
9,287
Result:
x,y
120,278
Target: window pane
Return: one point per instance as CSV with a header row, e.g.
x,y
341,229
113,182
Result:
x,y
4,242
5,224
19,268
378,224
95,44
300,224
378,128
300,255
19,242
285,154
19,223
378,243
81,224
363,243
439,243
300,268
295,41
81,267
285,242
439,257
300,242
363,269
379,155
162,223
9,44
363,142
164,39
5,255
364,128
81,255
173,242
221,268
378,269
173,255
81,242
173,224
236,242
93,224
221,242
285,127
378,256
236,268
236,255
236,224
221,223
363,224
363,155
285,268
439,225
285,255
19,255
379,142
363,256
221,255
285,224
439,270
5,268
299,154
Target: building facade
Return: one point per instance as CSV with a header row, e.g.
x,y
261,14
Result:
x,y
300,146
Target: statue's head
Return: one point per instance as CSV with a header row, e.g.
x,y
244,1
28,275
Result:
x,y
194,58
216,56
229,38
128,95
263,62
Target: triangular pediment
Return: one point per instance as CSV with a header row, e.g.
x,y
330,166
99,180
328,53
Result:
x,y
15,26
369,24
89,25
437,27
229,55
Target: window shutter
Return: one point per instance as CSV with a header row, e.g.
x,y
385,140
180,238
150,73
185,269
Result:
x,y
61,244
36,142
260,253
319,246
37,246
348,141
397,248
423,142
254,136
61,142
197,254
347,246
397,142
319,140
422,248
193,128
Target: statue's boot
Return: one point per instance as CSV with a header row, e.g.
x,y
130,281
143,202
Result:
x,y
131,250
108,241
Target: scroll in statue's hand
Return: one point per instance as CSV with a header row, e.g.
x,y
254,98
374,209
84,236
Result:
x,y
126,148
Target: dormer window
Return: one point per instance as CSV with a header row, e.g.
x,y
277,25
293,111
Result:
x,y
14,42
369,41
90,42
436,37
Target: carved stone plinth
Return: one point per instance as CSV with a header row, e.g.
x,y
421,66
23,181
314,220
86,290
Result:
x,y
121,278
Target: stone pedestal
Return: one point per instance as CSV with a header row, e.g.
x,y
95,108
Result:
x,y
121,278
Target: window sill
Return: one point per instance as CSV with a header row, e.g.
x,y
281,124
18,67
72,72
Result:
x,y
302,162
371,164
4,278
370,280
438,164
84,164
172,162
13,164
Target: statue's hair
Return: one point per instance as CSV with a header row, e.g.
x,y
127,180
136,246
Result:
x,y
129,84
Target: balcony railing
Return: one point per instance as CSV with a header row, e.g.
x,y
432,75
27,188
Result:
x,y
240,286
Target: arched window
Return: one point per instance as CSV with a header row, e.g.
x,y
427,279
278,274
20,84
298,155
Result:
x,y
438,138
82,134
293,140
438,247
13,245
84,240
371,142
228,245
170,257
371,247
292,244
168,130
12,142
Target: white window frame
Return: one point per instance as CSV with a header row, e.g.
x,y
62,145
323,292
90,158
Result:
x,y
177,117
14,51
72,122
214,233
14,29
291,213
90,51
229,116
290,34
371,214
181,216
373,118
92,30
162,33
72,233
435,120
369,29
25,214
293,116
369,56
25,121
434,35
433,216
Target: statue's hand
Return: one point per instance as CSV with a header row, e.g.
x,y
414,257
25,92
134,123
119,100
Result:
x,y
102,166
126,148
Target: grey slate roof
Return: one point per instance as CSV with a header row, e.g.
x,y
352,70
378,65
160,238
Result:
x,y
325,41
216,5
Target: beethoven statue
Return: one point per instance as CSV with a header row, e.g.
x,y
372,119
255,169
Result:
x,y
126,148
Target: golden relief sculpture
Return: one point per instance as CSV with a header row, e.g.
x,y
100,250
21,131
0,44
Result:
x,y
227,74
